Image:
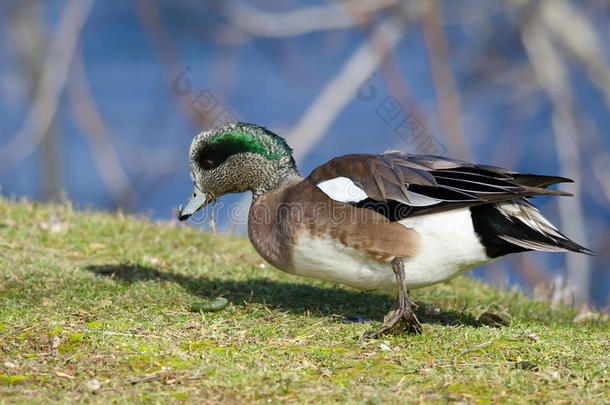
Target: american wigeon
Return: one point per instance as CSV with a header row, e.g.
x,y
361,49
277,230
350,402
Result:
x,y
383,223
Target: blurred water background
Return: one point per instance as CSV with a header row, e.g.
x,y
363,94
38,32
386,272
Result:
x,y
100,100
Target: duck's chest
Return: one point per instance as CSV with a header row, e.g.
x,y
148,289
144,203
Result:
x,y
272,227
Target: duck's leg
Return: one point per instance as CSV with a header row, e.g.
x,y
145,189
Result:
x,y
401,317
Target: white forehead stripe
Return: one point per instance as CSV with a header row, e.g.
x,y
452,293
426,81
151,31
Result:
x,y
342,189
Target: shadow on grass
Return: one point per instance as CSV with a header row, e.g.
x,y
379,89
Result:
x,y
294,297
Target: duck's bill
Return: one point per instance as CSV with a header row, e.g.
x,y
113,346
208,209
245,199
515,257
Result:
x,y
196,202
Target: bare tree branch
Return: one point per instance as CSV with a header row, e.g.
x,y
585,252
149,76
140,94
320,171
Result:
x,y
341,89
576,35
53,76
32,40
601,167
447,95
91,124
305,19
580,40
151,20
459,12
553,78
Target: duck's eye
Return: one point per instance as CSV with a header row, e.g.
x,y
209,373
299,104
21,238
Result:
x,y
216,153
207,164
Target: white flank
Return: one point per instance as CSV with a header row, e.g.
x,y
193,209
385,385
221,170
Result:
x,y
330,260
449,248
342,189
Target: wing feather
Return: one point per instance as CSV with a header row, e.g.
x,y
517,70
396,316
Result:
x,y
428,184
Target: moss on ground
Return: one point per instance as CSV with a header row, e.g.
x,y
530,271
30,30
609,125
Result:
x,y
95,307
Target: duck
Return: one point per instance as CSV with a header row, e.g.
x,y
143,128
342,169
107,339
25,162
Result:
x,y
383,223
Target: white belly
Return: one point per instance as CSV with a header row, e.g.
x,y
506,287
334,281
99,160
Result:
x,y
449,247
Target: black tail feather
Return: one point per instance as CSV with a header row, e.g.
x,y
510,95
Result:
x,y
502,233
534,180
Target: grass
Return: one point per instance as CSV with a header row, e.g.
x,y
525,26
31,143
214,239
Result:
x,y
94,308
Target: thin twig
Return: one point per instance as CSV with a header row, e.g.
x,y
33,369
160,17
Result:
x,y
53,76
151,20
577,35
91,124
447,95
554,79
304,19
110,333
342,88
146,379
473,348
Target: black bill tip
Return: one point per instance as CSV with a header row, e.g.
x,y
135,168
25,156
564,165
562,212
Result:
x,y
195,204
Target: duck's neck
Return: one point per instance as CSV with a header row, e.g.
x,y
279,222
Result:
x,y
275,179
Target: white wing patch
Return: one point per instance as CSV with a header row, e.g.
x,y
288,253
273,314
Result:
x,y
342,189
345,190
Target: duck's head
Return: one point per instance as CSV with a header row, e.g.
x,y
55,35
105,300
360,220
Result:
x,y
235,158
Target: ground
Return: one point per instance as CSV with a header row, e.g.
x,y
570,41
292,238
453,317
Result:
x,y
96,308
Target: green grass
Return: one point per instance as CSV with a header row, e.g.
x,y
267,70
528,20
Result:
x,y
94,308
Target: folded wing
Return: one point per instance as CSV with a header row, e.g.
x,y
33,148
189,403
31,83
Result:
x,y
400,185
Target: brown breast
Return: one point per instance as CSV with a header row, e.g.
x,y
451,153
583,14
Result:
x,y
277,220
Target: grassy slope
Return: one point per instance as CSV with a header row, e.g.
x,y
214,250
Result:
x,y
96,308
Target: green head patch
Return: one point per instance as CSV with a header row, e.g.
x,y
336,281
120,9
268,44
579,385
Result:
x,y
241,138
